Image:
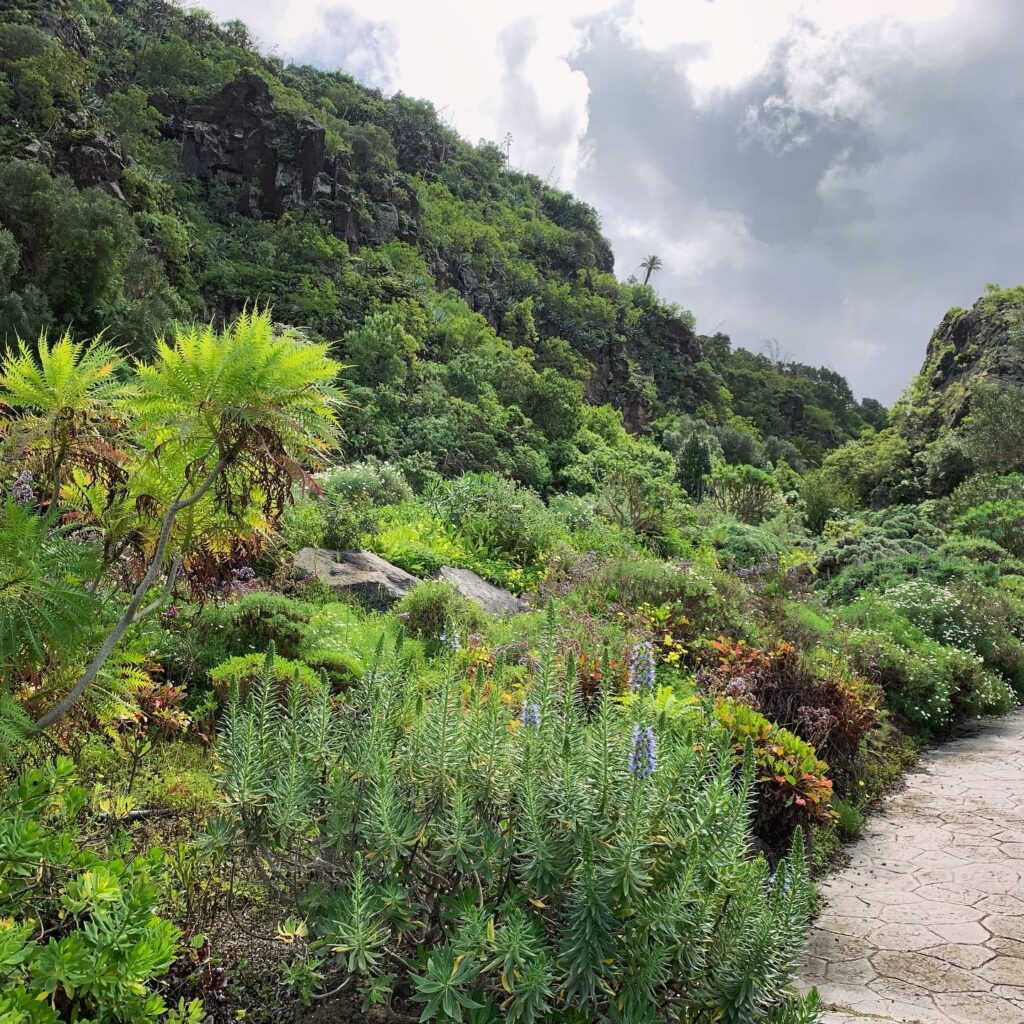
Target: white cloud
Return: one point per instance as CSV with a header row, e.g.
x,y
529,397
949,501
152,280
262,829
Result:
x,y
456,53
789,160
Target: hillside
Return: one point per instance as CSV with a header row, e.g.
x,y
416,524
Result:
x,y
404,618
158,167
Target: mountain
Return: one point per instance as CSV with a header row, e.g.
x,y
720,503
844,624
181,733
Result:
x,y
154,167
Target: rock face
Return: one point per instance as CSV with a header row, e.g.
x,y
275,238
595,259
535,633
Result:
x,y
84,152
275,161
979,343
375,582
492,599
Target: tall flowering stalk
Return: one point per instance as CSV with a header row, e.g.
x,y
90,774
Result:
x,y
643,755
642,674
21,489
530,715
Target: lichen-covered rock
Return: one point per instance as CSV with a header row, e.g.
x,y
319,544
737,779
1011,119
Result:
x,y
375,582
492,599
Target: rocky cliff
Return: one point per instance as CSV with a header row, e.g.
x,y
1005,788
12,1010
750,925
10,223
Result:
x,y
274,161
983,342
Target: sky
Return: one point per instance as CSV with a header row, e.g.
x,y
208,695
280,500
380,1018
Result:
x,y
828,175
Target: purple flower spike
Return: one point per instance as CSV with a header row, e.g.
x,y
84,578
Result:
x,y
641,667
530,715
643,757
21,489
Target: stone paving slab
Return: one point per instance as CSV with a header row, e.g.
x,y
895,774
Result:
x,y
926,923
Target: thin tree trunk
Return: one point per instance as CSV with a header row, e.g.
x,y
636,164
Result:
x,y
131,614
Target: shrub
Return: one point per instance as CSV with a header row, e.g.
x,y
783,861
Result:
x,y
832,713
242,672
746,492
998,521
258,620
794,788
936,611
436,611
374,483
482,850
417,543
80,938
929,686
496,515
304,524
740,544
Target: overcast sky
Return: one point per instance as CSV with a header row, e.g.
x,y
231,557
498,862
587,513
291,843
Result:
x,y
832,174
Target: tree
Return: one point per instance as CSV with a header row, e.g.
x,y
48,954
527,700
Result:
x,y
67,392
650,265
994,435
694,464
745,492
380,351
218,425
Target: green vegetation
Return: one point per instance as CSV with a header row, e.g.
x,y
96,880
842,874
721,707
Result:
x,y
736,597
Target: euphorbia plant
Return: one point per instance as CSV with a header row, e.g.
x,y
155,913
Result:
x,y
488,853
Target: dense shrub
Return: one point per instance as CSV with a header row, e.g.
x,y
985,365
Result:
x,y
521,858
80,936
366,482
242,672
743,545
998,521
496,515
436,611
794,787
746,492
930,686
832,713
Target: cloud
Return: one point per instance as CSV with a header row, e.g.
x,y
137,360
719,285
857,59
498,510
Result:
x,y
831,173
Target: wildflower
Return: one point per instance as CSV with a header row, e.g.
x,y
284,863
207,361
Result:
x,y
530,715
451,640
643,755
641,667
21,489
736,687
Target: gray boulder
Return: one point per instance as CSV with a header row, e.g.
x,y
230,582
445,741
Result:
x,y
492,599
376,583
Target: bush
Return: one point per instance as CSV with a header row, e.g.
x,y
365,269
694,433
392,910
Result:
x,y
80,938
243,672
936,611
928,685
793,784
436,611
506,853
258,620
373,483
746,492
740,544
832,713
411,539
497,516
997,521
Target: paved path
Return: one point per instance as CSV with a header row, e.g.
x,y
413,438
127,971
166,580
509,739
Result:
x,y
926,924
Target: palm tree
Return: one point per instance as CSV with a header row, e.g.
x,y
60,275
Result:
x,y
651,265
219,422
67,394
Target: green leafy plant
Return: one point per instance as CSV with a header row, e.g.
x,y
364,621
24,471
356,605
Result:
x,y
516,853
80,937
